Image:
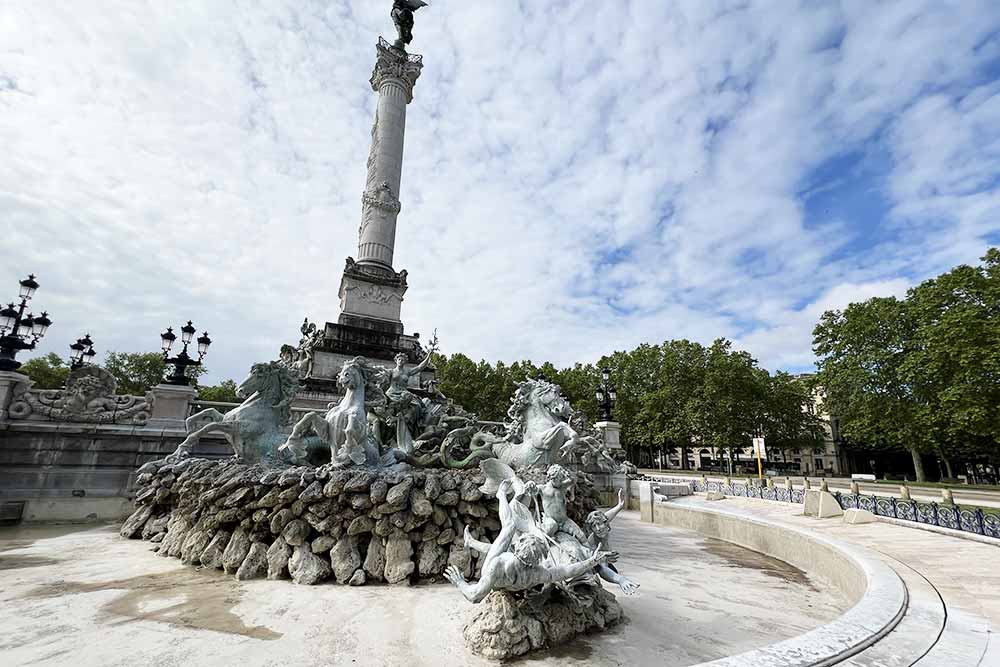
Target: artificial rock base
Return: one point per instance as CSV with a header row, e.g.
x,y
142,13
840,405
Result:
x,y
356,526
507,625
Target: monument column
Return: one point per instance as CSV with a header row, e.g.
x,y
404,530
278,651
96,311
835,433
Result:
x,y
396,73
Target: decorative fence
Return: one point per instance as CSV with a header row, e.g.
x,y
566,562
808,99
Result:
x,y
955,517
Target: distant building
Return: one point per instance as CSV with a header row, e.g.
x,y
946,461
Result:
x,y
826,459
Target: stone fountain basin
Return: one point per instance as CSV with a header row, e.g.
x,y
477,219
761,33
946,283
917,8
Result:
x,y
102,600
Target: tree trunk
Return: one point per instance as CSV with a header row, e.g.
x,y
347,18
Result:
x,y
684,458
947,467
918,466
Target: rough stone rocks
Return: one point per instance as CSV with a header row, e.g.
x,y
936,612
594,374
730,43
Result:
x,y
379,489
281,519
359,482
470,492
419,504
212,555
345,558
460,557
361,501
447,535
375,559
358,579
432,486
398,563
361,525
236,550
133,525
312,493
399,493
440,516
307,568
237,497
433,559
472,509
504,627
194,544
255,563
322,544
277,559
448,499
296,532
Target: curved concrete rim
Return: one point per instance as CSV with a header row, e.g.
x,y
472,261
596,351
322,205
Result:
x,y
874,615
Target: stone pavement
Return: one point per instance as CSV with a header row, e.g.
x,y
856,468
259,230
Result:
x,y
953,586
82,596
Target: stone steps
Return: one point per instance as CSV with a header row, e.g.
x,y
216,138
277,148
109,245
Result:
x,y
916,633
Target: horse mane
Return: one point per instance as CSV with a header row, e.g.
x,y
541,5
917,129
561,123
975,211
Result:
x,y
282,383
522,399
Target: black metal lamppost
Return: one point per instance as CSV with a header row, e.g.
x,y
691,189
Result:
x,y
81,353
607,395
182,361
16,327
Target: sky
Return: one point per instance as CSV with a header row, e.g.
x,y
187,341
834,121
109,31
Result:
x,y
579,177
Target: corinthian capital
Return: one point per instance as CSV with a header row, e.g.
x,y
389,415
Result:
x,y
396,64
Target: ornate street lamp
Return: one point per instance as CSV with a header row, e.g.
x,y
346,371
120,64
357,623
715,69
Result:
x,y
607,395
81,353
182,361
16,328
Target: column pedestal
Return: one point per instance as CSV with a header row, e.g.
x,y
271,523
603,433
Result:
x,y
171,405
611,433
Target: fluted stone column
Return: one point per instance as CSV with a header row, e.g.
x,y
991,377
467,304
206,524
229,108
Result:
x,y
395,75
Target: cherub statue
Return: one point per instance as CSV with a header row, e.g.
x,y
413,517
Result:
x,y
554,517
514,561
599,525
402,16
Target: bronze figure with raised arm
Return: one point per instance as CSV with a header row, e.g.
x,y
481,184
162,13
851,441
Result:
x,y
514,560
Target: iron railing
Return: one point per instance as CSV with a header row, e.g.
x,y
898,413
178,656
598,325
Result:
x,y
955,517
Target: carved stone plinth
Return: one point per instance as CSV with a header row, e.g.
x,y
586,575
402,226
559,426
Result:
x,y
611,433
505,626
171,406
9,382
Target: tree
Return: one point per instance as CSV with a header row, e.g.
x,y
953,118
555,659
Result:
x,y
862,351
953,363
224,392
47,372
786,423
137,372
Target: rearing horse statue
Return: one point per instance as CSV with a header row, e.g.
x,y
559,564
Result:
x,y
345,427
538,433
254,428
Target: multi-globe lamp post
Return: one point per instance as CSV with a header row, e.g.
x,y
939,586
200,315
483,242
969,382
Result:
x,y
183,361
607,396
81,353
19,331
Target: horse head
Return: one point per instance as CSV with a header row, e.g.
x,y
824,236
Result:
x,y
538,398
274,382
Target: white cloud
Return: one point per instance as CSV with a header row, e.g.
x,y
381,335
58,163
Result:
x,y
579,177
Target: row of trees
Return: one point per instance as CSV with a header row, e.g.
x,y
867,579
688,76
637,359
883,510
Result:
x,y
135,372
921,373
678,394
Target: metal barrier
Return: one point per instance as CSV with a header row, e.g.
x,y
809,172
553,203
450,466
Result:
x,y
955,517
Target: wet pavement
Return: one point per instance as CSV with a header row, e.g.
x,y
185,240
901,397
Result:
x,y
82,596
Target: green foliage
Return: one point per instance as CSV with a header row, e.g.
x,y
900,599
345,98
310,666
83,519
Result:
x,y
225,392
137,372
48,372
922,373
678,394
